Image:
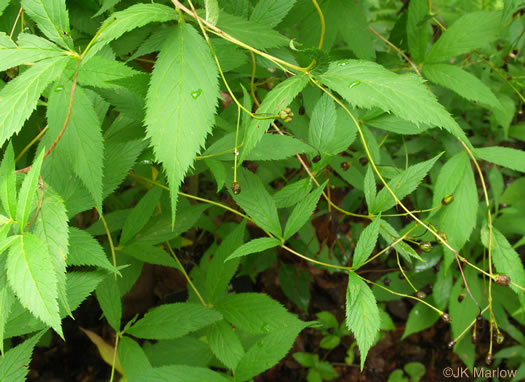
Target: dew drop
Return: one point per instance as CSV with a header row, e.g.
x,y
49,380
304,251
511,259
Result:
x,y
342,63
59,88
353,84
266,328
196,93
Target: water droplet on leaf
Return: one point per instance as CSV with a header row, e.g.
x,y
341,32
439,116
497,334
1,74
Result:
x,y
196,93
353,84
59,88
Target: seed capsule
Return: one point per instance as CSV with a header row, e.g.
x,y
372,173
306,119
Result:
x,y
451,344
500,338
421,295
425,246
345,166
447,199
386,281
446,318
236,188
443,235
489,359
461,297
316,158
503,280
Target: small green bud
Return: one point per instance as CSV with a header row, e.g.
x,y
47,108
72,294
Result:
x,y
421,295
500,338
425,246
446,318
447,199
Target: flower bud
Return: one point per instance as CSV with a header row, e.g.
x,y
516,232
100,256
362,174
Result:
x,y
425,246
503,280
447,199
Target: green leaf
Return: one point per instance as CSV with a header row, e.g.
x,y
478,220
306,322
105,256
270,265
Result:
x,y
106,5
356,33
32,49
52,229
20,96
362,314
218,170
32,277
180,373
271,12
186,76
3,5
259,36
403,184
173,321
225,344
417,30
52,19
462,82
421,317
370,187
8,181
292,193
504,156
254,246
150,254
14,363
256,313
82,138
85,250
257,202
303,211
212,11
275,101
469,32
132,358
102,72
140,215
27,193
322,124
288,146
396,125
130,18
367,84
108,296
366,243
389,234
6,301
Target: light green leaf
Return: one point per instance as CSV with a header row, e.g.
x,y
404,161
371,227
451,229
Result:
x,y
362,314
292,193
173,321
275,101
471,31
417,30
32,277
102,72
271,12
259,36
254,246
132,358
225,344
403,184
504,156
389,234
370,187
20,96
288,146
6,301
85,250
8,181
256,313
356,33
26,195
212,11
185,76
367,84
130,18
3,5
52,19
108,296
150,254
106,5
180,373
140,215
82,138
421,317
52,229
257,202
366,243
322,124
462,82
302,212
32,49
14,363
218,170
397,125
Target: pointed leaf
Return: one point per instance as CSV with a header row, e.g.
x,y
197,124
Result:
x,y
504,156
271,12
292,193
32,277
27,192
366,243
225,344
185,76
14,363
322,123
356,34
288,146
180,373
8,181
362,314
140,215
254,246
303,211
370,187
417,30
132,358
85,250
6,301
389,234
108,296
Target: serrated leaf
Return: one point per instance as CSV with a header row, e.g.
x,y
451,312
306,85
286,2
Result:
x,y
173,321
254,246
180,373
503,156
256,313
150,254
356,34
369,187
367,84
271,12
14,363
212,11
6,301
52,19
322,124
266,148
132,358
3,5
462,82
8,181
257,202
140,215
389,234
275,101
19,97
52,229
32,49
31,275
102,72
108,296
397,125
471,31
218,170
106,5
421,317
27,192
417,30
362,314
225,344
185,76
130,18
292,193
366,243
303,211
403,184
85,250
